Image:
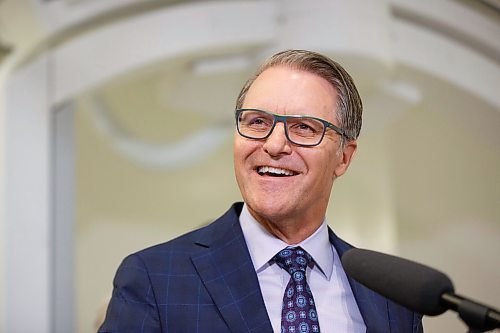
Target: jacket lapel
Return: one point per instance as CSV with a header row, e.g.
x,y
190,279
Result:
x,y
372,306
226,270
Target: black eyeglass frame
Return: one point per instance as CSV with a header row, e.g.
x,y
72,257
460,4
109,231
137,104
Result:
x,y
281,118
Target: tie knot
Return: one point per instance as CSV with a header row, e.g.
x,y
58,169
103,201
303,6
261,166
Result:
x,y
293,259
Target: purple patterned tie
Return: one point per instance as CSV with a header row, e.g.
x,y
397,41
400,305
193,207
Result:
x,y
298,314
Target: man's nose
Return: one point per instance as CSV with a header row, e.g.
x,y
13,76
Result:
x,y
277,143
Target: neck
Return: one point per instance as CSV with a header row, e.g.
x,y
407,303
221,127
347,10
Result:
x,y
289,230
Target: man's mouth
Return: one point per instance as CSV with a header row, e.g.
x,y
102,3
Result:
x,y
275,172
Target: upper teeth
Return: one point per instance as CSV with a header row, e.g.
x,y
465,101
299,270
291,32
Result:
x,y
278,171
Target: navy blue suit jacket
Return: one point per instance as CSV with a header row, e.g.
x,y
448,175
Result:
x,y
205,281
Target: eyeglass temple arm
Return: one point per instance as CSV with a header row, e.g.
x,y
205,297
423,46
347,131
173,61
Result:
x,y
339,130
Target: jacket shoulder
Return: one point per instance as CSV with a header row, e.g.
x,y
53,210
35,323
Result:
x,y
186,245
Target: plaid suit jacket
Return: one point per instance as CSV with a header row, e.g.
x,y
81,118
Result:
x,y
205,281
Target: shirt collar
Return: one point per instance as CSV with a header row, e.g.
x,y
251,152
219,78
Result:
x,y
263,246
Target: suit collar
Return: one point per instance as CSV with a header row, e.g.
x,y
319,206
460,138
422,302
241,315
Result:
x,y
372,306
262,245
226,270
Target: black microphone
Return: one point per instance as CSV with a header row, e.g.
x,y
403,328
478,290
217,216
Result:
x,y
418,287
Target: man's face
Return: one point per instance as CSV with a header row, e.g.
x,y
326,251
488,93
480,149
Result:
x,y
303,194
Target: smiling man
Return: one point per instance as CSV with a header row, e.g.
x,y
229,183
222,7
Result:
x,y
270,264
286,177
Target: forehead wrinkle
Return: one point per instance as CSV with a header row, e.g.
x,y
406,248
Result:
x,y
286,110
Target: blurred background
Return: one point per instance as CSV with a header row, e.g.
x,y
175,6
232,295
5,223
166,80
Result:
x,y
117,121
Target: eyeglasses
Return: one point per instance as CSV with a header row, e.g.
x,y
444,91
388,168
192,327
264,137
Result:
x,y
300,130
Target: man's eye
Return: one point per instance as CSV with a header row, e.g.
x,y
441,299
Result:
x,y
305,127
257,121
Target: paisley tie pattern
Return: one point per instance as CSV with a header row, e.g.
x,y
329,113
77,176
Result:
x,y
298,314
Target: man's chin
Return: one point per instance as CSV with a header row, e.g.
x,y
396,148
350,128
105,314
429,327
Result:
x,y
271,210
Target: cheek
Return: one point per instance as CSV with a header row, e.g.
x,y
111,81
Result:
x,y
238,149
323,166
238,159
242,156
242,148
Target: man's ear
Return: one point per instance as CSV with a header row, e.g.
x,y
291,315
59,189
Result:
x,y
347,155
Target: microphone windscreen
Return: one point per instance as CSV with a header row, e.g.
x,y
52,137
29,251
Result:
x,y
415,286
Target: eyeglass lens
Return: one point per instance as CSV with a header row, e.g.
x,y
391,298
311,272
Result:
x,y
257,124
